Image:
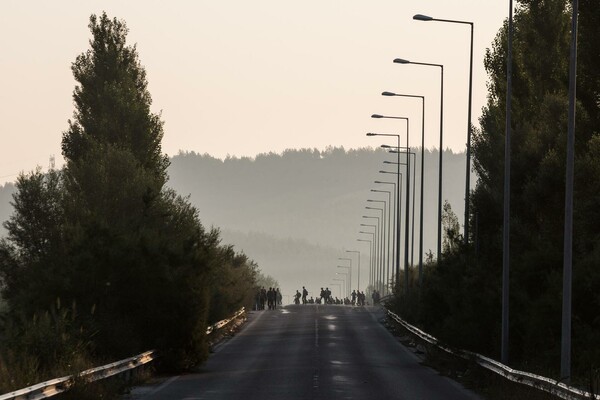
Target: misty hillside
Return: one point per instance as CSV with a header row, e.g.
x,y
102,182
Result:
x,y
317,196
296,212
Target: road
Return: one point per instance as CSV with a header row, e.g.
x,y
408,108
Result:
x,y
311,352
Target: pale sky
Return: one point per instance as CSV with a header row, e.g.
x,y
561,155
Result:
x,y
243,77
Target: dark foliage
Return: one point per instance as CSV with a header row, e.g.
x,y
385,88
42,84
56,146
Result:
x,y
461,297
107,236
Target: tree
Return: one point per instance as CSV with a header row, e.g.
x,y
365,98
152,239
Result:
x,y
539,115
112,101
28,256
452,236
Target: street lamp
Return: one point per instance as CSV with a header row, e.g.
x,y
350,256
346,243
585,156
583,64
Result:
x,y
391,222
506,211
373,271
379,239
439,238
358,267
565,353
339,285
348,268
385,221
345,274
412,246
381,227
371,241
340,280
420,17
396,252
368,241
407,226
422,174
398,184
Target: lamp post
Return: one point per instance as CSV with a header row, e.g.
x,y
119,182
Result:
x,y
504,353
398,184
381,224
345,279
407,208
358,267
386,221
420,17
368,241
439,238
565,353
412,246
373,267
399,177
378,247
391,222
396,220
339,285
422,174
348,268
406,226
371,241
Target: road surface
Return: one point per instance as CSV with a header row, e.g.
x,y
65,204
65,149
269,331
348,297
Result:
x,y
306,352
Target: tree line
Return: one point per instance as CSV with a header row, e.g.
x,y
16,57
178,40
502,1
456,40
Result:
x,y
101,259
460,300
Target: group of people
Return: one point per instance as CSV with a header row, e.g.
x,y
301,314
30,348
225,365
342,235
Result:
x,y
356,298
271,298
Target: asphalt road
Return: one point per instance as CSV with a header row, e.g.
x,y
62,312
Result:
x,y
311,352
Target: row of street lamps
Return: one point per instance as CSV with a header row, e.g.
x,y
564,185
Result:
x,y
379,265
376,251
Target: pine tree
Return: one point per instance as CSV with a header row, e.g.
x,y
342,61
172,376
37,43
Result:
x,y
539,117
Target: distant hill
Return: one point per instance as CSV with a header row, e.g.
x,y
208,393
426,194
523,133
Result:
x,y
317,196
304,198
296,212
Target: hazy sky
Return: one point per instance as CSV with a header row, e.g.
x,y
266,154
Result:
x,y
244,77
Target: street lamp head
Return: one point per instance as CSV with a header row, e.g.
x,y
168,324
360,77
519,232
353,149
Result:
x,y
376,116
421,17
387,162
401,61
388,94
385,146
371,134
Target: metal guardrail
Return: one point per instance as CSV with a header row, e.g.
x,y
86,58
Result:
x,y
56,386
53,387
224,322
536,381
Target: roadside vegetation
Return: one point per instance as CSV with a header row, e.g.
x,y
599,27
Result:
x,y
102,261
460,300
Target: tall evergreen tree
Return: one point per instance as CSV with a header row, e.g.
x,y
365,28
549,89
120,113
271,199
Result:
x,y
112,101
106,235
539,115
